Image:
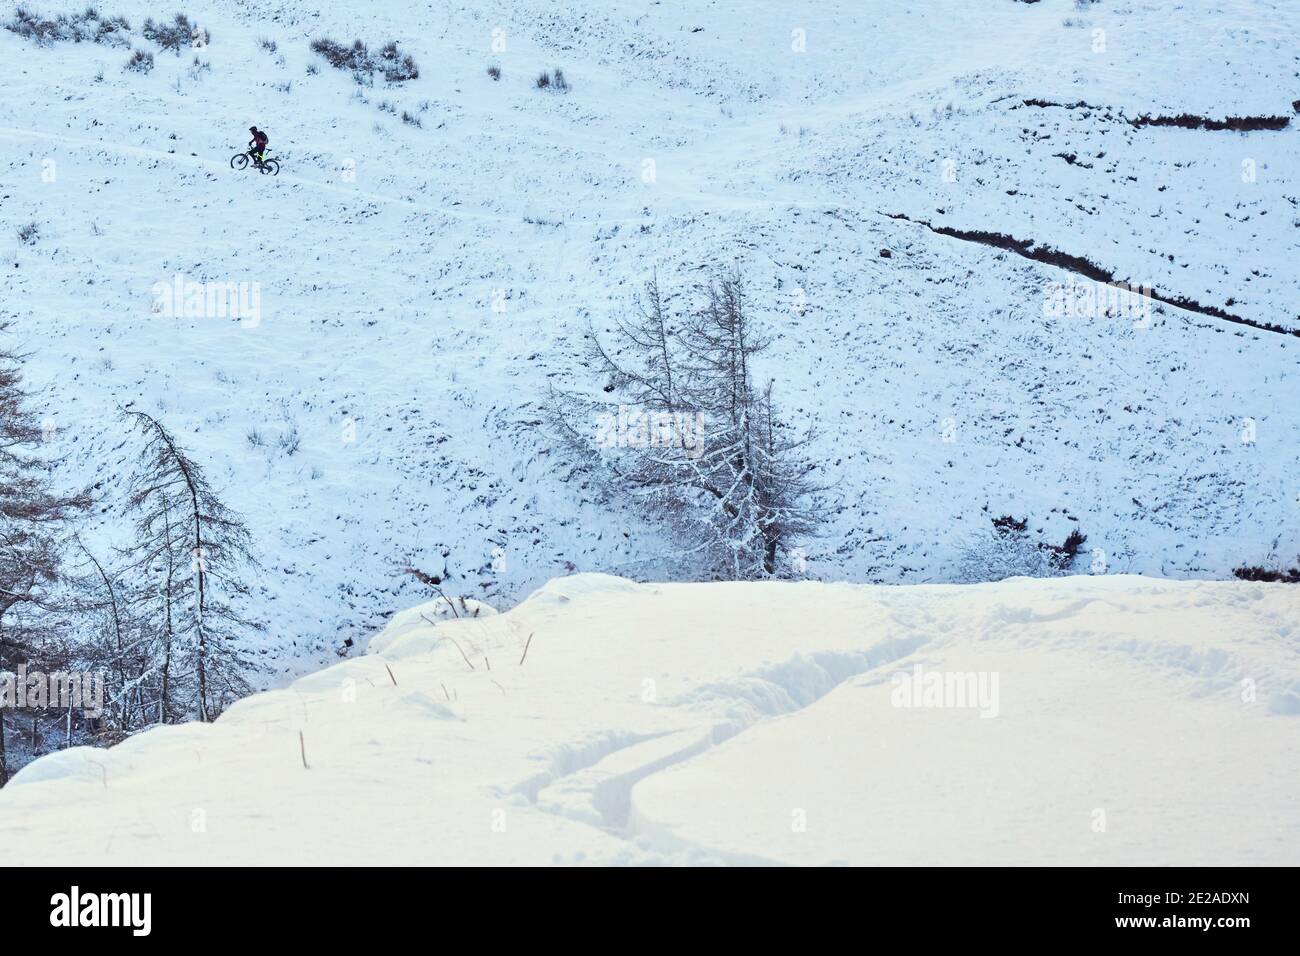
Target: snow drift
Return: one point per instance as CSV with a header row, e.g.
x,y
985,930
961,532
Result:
x,y
1104,720
421,287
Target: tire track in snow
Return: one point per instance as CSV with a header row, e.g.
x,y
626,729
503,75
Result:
x,y
706,200
593,781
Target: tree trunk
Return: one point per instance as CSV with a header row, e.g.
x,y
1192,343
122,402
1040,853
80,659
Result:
x,y
164,700
124,712
200,587
203,638
4,766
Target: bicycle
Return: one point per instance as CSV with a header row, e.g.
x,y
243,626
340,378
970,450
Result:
x,y
268,165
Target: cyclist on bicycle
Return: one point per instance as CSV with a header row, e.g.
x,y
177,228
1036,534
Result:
x,y
257,145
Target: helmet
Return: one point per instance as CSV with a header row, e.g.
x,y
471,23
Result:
x,y
252,129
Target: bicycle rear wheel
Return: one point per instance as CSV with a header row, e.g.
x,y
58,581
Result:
x,y
271,166
239,161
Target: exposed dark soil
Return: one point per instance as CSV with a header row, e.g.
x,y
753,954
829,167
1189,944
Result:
x,y
1088,269
1241,124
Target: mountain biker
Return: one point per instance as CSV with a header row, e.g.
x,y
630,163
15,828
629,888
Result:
x,y
257,145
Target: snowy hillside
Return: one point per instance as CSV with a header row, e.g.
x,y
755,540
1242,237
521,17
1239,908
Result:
x,y
1113,720
423,281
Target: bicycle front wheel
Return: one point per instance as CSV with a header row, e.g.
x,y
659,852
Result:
x,y
239,161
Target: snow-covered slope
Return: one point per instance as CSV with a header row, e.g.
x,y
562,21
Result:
x,y
1113,720
422,285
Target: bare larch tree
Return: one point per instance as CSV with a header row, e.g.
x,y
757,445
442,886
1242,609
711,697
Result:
x,y
190,550
34,522
692,438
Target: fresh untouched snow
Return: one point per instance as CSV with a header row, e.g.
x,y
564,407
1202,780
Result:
x,y
421,286
1112,720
